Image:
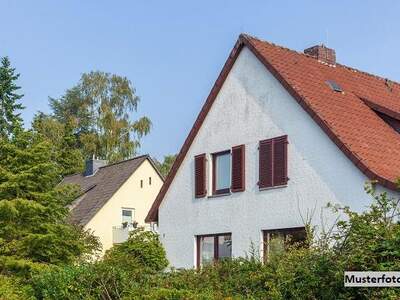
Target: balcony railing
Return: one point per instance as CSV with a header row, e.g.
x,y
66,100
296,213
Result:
x,y
121,233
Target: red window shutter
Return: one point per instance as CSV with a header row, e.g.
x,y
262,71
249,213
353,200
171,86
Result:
x,y
265,165
200,175
238,169
280,160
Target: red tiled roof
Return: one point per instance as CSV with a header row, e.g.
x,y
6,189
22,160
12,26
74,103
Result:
x,y
347,118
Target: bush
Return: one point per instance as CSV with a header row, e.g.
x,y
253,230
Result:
x,y
125,266
142,248
134,270
12,289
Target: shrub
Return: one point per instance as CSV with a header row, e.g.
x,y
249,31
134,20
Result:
x,y
134,270
142,248
125,266
13,289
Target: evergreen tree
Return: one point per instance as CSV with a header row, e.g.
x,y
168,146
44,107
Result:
x,y
10,120
33,208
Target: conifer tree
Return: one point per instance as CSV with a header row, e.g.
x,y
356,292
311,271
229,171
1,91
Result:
x,y
10,120
33,208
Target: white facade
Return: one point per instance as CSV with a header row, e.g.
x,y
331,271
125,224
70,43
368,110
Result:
x,y
252,106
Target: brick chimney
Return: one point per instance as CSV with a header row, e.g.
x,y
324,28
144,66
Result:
x,y
322,53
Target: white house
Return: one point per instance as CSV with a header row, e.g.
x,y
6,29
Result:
x,y
281,135
114,198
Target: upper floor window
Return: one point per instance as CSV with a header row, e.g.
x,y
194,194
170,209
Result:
x,y
127,216
228,172
221,172
141,183
149,180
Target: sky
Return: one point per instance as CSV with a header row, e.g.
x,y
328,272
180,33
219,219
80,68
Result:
x,y
173,51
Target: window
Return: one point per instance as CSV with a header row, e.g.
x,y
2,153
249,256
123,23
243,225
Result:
x,y
228,172
141,183
221,172
273,162
149,180
277,241
334,86
213,247
127,216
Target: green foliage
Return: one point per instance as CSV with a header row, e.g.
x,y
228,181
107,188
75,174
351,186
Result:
x,y
33,209
366,241
65,148
100,110
127,265
10,120
142,248
166,165
14,289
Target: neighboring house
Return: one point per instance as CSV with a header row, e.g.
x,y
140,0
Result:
x,y
114,198
281,135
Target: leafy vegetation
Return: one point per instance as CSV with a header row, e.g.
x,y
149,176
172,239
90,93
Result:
x,y
366,241
33,208
124,266
165,166
99,111
34,233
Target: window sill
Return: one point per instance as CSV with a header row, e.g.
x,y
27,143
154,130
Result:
x,y
219,195
273,187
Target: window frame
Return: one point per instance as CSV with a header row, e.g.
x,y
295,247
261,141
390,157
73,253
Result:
x,y
132,210
216,248
214,173
285,231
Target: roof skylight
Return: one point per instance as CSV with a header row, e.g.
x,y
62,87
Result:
x,y
334,86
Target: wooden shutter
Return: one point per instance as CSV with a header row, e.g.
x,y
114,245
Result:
x,y
273,162
238,169
265,165
200,176
280,160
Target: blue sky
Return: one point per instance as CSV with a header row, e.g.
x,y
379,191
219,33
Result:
x,y
172,51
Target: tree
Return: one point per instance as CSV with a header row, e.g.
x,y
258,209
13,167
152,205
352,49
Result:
x,y
166,165
33,208
10,120
101,108
63,141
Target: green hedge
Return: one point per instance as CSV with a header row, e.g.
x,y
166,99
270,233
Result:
x,y
136,269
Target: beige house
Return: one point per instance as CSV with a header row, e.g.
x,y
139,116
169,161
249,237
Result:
x,y
114,198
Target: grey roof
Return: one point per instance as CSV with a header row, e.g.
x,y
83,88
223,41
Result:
x,y
97,189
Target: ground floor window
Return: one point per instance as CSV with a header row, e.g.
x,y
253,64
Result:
x,y
278,240
212,247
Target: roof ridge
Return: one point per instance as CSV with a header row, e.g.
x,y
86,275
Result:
x,y
367,73
126,160
353,69
118,162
